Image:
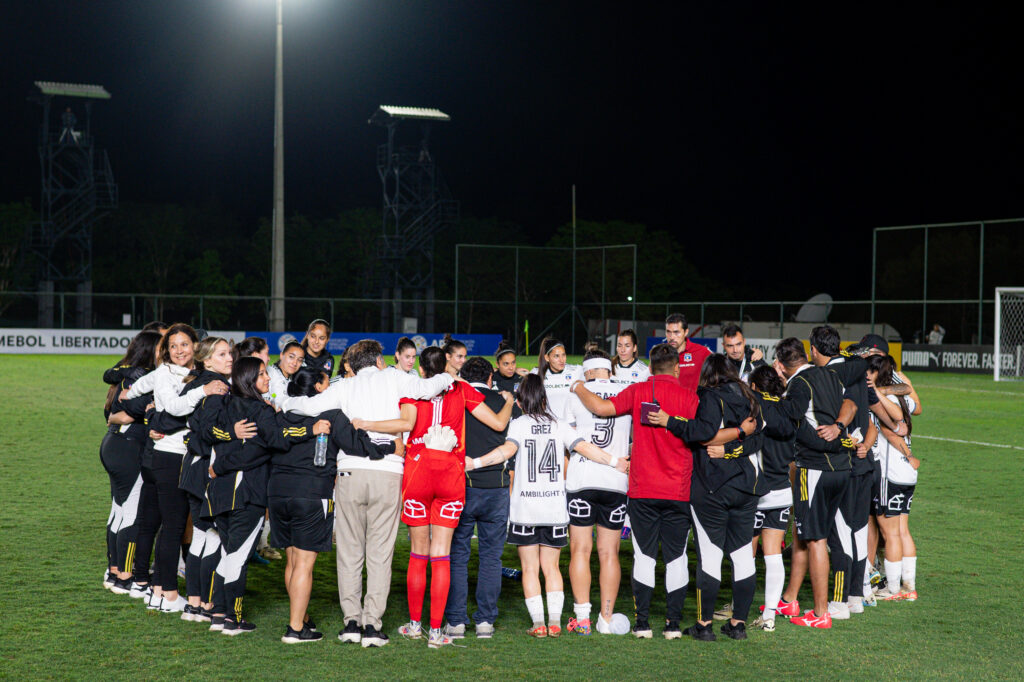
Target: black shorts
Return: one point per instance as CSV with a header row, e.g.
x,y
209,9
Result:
x,y
771,519
549,536
894,499
602,507
301,522
816,498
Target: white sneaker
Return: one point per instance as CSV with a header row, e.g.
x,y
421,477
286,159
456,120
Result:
x,y
838,610
437,639
154,601
411,630
603,626
176,606
767,625
856,604
484,630
457,631
108,580
138,591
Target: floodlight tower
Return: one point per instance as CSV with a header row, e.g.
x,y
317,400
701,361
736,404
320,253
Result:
x,y
417,205
77,190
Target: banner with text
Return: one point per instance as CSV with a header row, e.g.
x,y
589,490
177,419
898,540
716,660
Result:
x,y
476,344
78,341
953,358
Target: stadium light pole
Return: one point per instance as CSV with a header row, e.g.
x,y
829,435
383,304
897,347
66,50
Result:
x,y
277,246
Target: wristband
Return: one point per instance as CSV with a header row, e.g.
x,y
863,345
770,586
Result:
x,y
613,461
476,462
841,425
739,433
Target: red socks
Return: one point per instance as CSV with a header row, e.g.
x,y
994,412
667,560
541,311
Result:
x,y
440,579
416,584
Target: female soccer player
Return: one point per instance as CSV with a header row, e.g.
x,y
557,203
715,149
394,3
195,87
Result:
x,y
405,356
300,497
314,344
538,516
455,355
557,376
724,493
627,367
236,498
434,486
214,360
896,491
252,347
167,505
289,362
120,453
774,507
508,375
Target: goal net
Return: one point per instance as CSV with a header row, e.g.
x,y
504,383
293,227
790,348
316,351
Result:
x,y
1009,346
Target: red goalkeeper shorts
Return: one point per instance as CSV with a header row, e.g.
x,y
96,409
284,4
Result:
x,y
433,489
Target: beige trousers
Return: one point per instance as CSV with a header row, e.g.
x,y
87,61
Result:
x,y
368,505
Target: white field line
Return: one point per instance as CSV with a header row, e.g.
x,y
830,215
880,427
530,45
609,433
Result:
x,y
971,442
1019,394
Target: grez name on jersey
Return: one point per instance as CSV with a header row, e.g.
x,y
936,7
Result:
x,y
537,429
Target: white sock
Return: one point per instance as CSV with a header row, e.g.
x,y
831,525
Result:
x,y
555,601
582,611
774,581
264,536
910,572
892,575
535,605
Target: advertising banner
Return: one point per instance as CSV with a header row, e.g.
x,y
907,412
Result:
x,y
952,358
476,344
78,341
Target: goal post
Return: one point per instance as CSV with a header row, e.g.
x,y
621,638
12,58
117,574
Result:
x,y
1008,350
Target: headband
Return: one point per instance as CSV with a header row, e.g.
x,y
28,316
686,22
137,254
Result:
x,y
503,351
554,347
597,363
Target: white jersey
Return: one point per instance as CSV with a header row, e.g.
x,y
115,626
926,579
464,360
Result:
x,y
278,386
895,465
631,374
611,434
556,385
167,384
538,489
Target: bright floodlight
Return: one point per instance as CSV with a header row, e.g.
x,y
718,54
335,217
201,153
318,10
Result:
x,y
73,90
388,113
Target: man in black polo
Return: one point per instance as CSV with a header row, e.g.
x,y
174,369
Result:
x,y
487,509
814,396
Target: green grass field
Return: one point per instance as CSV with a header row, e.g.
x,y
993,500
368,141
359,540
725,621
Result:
x,y
56,621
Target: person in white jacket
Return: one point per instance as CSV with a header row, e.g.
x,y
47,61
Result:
x,y
368,492
162,502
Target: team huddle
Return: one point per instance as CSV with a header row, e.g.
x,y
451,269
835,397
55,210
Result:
x,y
213,452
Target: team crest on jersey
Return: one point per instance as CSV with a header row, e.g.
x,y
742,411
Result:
x,y
687,357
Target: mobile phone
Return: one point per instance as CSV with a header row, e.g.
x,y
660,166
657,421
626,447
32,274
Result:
x,y
645,411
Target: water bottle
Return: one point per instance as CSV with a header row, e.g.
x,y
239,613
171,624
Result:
x,y
511,573
320,457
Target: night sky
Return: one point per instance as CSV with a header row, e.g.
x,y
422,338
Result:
x,y
788,125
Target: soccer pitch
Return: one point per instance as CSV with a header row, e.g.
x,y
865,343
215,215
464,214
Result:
x,y
56,621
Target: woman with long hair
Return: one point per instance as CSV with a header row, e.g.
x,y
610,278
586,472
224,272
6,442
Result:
x,y
213,362
164,505
405,356
538,516
300,496
236,497
896,487
280,373
314,344
121,454
434,486
455,355
778,451
627,367
724,492
558,376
